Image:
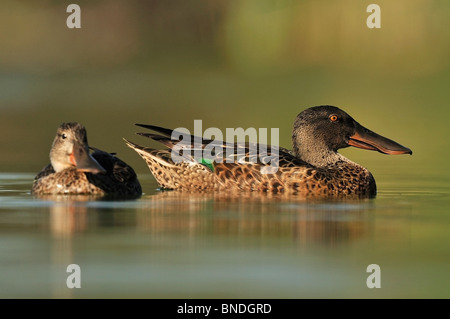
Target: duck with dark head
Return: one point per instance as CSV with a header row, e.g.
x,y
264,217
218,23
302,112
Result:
x,y
74,170
312,168
319,132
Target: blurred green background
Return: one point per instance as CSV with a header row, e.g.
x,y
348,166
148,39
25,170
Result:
x,y
250,63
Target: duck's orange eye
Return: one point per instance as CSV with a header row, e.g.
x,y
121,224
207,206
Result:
x,y
333,118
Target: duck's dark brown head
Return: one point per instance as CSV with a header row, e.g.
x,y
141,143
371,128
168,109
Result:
x,y
322,130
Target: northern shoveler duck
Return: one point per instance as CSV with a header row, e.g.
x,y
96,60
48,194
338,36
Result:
x,y
73,170
312,167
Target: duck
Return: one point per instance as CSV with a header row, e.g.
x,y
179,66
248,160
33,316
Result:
x,y
313,167
74,170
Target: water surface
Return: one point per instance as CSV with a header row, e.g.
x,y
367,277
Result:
x,y
172,245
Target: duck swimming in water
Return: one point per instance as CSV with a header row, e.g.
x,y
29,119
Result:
x,y
73,170
312,167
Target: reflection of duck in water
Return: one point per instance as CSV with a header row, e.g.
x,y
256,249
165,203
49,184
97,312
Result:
x,y
73,170
313,167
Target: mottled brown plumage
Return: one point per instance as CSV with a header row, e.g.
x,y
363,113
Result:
x,y
73,170
312,168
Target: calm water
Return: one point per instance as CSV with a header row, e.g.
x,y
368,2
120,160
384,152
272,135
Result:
x,y
170,245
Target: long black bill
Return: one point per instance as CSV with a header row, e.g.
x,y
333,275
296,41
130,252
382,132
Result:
x,y
368,140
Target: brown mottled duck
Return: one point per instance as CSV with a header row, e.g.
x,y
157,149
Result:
x,y
73,170
312,167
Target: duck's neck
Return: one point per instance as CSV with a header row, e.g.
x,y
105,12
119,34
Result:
x,y
319,156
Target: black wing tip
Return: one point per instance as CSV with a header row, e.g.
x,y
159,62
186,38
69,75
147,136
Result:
x,y
159,129
143,125
155,137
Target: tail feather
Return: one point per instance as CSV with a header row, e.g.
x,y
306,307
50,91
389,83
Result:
x,y
171,175
173,133
161,156
167,141
162,130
